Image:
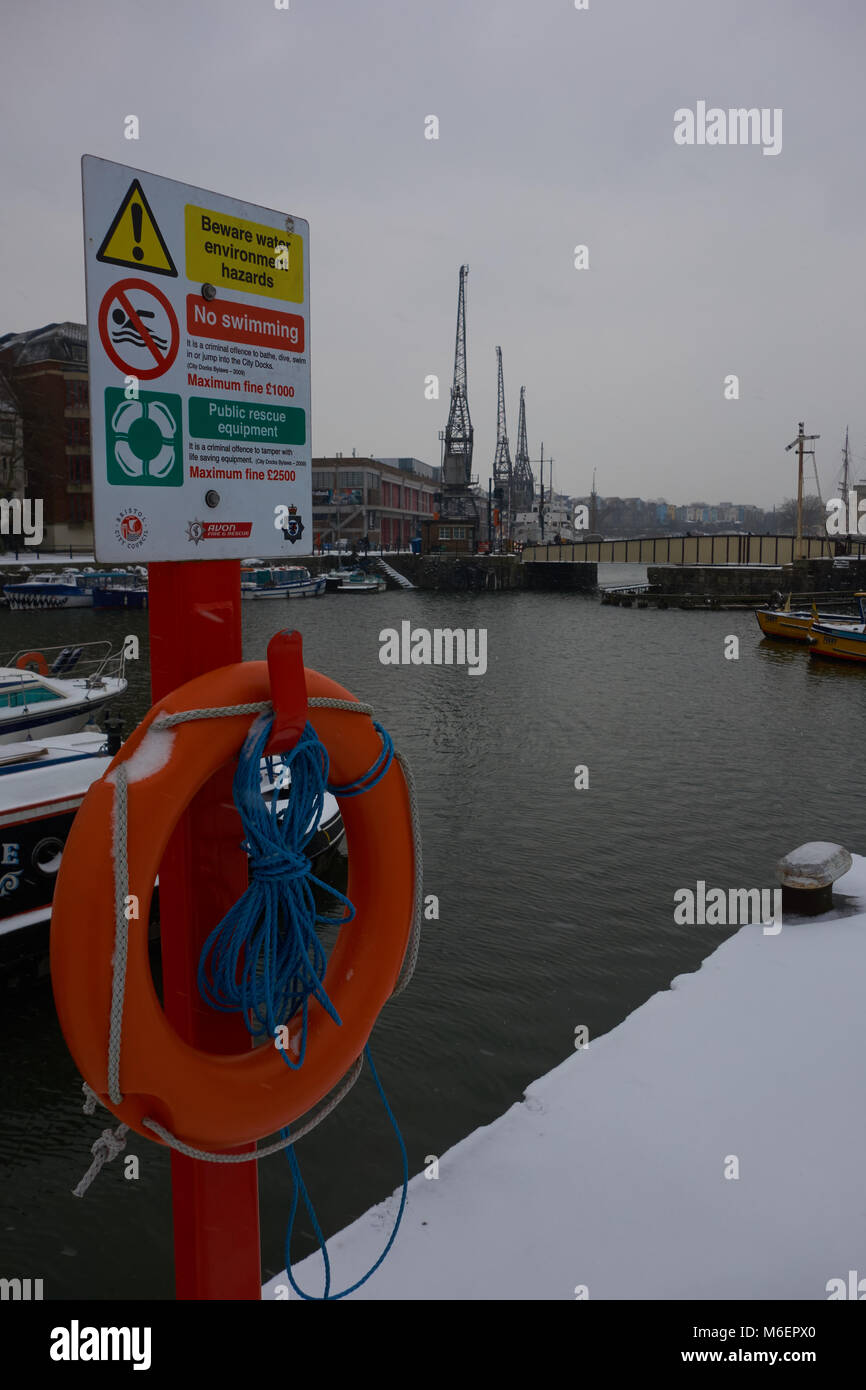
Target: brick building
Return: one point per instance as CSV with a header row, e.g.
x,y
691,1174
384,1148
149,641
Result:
x,y
384,500
46,371
13,478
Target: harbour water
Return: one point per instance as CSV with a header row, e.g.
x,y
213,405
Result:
x,y
556,904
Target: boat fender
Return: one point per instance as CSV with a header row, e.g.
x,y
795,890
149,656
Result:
x,y
210,1101
62,662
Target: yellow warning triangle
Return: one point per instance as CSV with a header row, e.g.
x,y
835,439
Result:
x,y
134,239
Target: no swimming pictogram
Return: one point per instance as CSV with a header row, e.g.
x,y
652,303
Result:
x,y
138,329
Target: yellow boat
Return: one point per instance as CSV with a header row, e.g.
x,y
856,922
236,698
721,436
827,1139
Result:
x,y
845,641
797,625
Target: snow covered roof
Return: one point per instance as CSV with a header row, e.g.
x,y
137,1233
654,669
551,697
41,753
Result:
x,y
54,342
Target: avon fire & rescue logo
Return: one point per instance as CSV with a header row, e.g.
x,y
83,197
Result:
x,y
198,531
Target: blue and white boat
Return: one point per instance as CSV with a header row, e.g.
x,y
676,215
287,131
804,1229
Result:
x,y
57,690
73,588
289,581
68,589
120,589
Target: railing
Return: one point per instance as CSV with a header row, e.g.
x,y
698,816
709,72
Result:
x,y
99,662
726,549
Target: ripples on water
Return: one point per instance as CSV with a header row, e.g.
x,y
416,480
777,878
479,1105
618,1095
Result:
x,y
556,905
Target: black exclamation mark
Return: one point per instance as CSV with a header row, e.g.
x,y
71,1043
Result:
x,y
135,209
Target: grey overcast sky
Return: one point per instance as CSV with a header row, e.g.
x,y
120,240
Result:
x,y
555,129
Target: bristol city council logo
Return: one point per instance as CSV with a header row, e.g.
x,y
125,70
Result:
x,y
130,528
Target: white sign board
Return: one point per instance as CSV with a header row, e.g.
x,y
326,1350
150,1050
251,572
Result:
x,y
198,346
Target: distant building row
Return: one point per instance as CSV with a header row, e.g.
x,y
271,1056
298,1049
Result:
x,y
615,515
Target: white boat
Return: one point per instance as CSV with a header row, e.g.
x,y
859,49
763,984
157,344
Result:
x,y
290,581
557,522
57,690
360,582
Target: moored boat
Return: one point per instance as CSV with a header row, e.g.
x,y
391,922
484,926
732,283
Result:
x,y
57,690
842,641
120,589
69,589
360,582
795,625
290,581
42,785
334,578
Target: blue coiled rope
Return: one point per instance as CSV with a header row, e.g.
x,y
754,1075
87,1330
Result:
x,y
264,959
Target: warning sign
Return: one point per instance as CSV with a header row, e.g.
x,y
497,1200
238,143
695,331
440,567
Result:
x,y
199,371
134,238
139,329
243,255
237,323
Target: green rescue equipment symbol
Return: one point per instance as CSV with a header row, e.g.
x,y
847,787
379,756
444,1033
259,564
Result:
x,y
144,439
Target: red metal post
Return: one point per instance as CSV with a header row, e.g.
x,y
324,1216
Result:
x,y
195,626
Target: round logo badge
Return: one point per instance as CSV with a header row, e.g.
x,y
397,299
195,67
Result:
x,y
130,528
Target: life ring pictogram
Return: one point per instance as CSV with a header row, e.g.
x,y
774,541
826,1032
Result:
x,y
33,661
207,1100
145,438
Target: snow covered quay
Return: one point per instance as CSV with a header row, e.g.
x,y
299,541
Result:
x,y
713,1146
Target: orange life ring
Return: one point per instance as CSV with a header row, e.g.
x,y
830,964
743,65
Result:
x,y
29,660
211,1101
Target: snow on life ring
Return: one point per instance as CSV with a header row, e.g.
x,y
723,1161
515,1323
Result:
x,y
210,1101
33,661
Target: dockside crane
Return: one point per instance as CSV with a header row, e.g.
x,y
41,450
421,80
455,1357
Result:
x,y
502,469
523,483
457,499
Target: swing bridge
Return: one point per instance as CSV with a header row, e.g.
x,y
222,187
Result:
x,y
736,548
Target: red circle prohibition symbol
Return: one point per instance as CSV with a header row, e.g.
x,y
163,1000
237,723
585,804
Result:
x,y
162,360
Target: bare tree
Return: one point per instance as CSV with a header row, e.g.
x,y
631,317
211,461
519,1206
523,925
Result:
x,y
814,516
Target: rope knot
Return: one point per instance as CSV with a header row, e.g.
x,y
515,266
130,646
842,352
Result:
x,y
109,1144
277,861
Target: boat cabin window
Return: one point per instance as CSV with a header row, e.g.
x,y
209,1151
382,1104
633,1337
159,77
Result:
x,y
29,695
